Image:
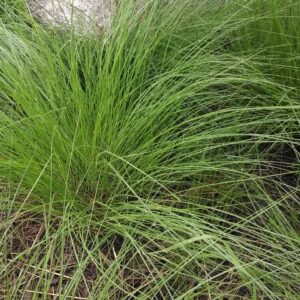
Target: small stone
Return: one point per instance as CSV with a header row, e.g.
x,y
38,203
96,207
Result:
x,y
84,16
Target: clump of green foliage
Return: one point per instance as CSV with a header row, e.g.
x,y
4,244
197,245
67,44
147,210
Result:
x,y
159,160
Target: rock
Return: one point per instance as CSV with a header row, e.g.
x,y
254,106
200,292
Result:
x,y
81,15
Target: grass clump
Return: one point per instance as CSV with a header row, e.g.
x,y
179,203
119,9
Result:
x,y
159,160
